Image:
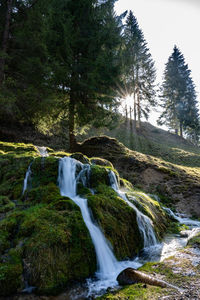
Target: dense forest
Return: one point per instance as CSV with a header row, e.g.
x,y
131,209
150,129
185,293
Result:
x,y
68,65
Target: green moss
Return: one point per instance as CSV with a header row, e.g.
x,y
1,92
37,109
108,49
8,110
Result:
x,y
10,278
101,162
44,194
98,175
117,220
195,241
44,171
11,273
135,292
80,157
176,227
82,190
5,204
59,248
152,209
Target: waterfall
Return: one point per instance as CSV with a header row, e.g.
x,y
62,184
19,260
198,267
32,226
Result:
x,y
43,151
26,179
182,220
144,223
67,183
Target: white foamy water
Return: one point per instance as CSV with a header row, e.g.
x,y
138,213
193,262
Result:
x,y
43,151
26,179
107,265
145,224
182,220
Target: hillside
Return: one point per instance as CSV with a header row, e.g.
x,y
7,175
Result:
x,y
153,141
177,185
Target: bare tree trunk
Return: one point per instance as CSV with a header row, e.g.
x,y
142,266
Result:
x,y
134,107
138,108
5,40
126,113
181,129
130,113
72,138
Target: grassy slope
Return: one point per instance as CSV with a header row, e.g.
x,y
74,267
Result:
x,y
177,181
153,141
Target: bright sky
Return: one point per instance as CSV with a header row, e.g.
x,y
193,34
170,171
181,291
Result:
x,y
166,23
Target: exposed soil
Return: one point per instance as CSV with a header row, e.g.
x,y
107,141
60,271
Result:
x,y
179,186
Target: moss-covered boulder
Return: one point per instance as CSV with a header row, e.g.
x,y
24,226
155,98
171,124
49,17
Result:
x,y
43,238
152,209
101,162
117,220
56,248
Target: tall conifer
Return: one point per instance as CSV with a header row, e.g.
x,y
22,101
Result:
x,y
139,68
178,96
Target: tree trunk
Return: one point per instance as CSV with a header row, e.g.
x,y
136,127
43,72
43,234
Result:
x,y
134,110
181,129
126,113
72,138
138,108
5,40
130,113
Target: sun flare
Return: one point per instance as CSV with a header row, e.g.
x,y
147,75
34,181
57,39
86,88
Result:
x,y
129,101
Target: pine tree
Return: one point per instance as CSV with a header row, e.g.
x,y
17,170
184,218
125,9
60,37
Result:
x,y
178,95
139,69
24,67
87,68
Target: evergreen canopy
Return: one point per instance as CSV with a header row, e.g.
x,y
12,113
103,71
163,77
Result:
x,y
178,96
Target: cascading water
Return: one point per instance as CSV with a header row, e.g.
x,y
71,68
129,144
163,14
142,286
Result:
x,y
26,179
181,220
108,266
43,151
72,172
144,223
67,183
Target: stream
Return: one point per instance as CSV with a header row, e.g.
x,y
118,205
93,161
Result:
x,y
108,267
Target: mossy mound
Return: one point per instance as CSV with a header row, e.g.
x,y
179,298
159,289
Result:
x,y
14,161
43,237
152,209
101,162
55,248
117,220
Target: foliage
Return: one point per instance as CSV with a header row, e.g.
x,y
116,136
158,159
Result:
x,y
178,97
139,70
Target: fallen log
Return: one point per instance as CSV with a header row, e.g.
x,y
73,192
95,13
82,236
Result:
x,y
131,276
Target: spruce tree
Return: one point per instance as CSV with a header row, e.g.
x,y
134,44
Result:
x,y
86,70
178,96
138,68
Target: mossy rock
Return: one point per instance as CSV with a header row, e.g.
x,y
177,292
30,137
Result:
x,y
83,191
5,204
44,194
11,273
58,249
10,278
152,209
101,162
195,241
117,220
99,175
44,171
80,157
